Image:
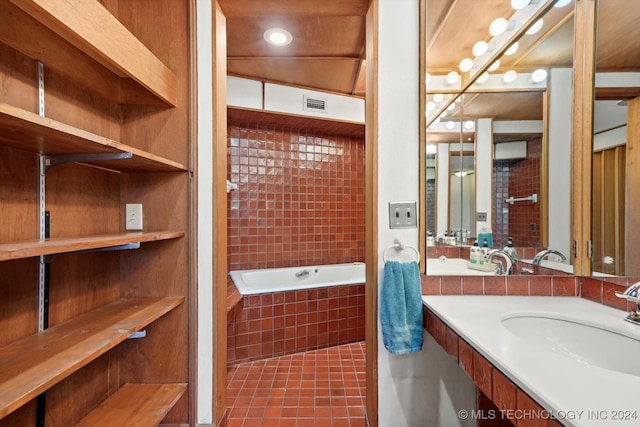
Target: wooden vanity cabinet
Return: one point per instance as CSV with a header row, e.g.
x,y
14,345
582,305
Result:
x,y
98,93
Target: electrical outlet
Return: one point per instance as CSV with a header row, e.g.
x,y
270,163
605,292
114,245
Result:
x,y
403,215
481,216
133,216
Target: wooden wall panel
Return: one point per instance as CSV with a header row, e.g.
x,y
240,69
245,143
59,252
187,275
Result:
x,y
633,191
18,77
18,195
63,405
82,200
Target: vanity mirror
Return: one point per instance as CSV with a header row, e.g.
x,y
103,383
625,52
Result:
x,y
615,218
507,115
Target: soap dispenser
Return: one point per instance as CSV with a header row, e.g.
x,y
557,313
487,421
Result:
x,y
475,253
510,249
485,247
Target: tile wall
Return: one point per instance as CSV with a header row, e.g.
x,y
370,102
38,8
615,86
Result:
x,y
518,179
300,199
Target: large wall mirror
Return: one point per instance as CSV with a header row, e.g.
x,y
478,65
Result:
x,y
614,210
498,111
517,121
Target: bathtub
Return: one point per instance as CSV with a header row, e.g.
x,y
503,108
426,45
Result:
x,y
251,282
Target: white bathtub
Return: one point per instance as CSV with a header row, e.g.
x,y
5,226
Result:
x,y
250,282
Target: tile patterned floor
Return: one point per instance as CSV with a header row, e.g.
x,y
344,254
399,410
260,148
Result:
x,y
321,388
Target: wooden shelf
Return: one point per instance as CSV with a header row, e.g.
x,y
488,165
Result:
x,y
33,248
90,27
141,405
34,364
28,131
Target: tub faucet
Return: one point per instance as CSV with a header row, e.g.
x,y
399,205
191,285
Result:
x,y
632,294
503,270
542,254
302,273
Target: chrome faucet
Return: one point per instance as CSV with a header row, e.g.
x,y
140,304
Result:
x,y
302,273
542,254
503,270
440,237
632,294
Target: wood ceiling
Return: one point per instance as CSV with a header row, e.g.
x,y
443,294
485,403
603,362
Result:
x,y
327,52
618,49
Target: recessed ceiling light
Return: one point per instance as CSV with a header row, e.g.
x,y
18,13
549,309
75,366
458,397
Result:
x,y
278,36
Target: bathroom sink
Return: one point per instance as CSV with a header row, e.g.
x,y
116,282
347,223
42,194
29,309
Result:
x,y
581,342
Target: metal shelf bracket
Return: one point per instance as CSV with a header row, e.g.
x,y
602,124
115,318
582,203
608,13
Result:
x,y
52,160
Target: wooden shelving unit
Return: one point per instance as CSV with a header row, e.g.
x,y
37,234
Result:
x,y
79,79
32,248
140,405
35,363
89,27
30,132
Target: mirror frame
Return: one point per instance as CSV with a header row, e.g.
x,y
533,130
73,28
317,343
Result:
x,y
584,42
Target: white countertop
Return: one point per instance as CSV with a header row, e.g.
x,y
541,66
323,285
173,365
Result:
x,y
578,392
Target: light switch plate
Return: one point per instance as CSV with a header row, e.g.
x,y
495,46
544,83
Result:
x,y
481,216
403,215
133,216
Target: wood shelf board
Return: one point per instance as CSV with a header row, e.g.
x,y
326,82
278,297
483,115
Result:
x,y
141,405
33,364
92,29
30,132
33,248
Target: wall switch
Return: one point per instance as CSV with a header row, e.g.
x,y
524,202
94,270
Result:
x,y
403,215
133,216
481,216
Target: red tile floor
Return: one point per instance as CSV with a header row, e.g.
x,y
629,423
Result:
x,y
321,388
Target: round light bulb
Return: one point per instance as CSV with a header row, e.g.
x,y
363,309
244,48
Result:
x,y
535,27
512,49
452,77
438,97
562,3
443,114
494,66
278,36
450,125
510,76
483,77
465,65
520,4
480,48
431,106
498,26
539,75
469,124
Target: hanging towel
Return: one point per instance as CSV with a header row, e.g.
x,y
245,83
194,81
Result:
x,y
401,308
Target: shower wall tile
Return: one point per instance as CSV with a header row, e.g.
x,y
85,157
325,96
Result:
x,y
521,178
300,197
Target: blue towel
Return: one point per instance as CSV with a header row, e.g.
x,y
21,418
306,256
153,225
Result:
x,y
401,308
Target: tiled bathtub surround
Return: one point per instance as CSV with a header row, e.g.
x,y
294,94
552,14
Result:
x,y
300,197
281,323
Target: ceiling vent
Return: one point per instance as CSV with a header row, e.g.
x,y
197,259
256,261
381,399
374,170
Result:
x,y
314,103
